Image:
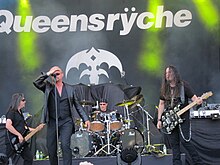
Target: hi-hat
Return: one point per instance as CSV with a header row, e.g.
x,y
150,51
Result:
x,y
125,103
85,102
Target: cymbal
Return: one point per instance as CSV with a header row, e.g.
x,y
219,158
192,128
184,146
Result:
x,y
137,99
77,121
125,102
96,112
84,102
126,121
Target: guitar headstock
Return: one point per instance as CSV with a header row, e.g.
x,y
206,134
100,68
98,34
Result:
x,y
206,95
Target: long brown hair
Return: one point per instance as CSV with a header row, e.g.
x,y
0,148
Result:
x,y
15,101
165,86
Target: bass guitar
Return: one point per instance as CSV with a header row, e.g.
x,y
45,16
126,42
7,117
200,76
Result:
x,y
171,118
18,147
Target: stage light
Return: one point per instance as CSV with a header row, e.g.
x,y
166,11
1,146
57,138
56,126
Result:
x,y
208,14
29,56
151,54
129,157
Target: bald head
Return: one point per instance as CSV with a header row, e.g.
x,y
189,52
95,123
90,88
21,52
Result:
x,y
55,68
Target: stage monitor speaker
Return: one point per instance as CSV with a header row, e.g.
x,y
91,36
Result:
x,y
129,157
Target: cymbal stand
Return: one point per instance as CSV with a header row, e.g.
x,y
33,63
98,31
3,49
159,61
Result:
x,y
148,117
108,145
127,117
81,125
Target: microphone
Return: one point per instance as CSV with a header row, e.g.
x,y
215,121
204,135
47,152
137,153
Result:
x,y
53,75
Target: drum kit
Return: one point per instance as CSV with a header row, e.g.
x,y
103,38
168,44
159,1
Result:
x,y
109,132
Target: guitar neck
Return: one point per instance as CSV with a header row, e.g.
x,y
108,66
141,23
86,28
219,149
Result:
x,y
32,133
204,96
186,108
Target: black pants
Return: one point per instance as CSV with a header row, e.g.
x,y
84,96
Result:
x,y
26,154
176,138
65,131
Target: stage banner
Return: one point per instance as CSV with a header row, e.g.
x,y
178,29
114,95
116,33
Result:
x,y
97,41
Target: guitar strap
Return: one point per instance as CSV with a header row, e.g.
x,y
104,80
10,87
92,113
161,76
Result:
x,y
182,93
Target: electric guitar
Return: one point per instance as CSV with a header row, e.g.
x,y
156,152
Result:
x,y
171,118
18,147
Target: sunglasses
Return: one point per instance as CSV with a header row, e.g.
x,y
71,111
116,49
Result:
x,y
102,104
23,100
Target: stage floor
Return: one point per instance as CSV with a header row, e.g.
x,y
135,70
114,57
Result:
x,y
113,160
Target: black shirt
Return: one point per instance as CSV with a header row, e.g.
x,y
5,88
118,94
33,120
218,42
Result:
x,y
18,122
63,106
188,94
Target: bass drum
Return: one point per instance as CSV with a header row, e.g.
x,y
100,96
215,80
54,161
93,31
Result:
x,y
129,138
84,143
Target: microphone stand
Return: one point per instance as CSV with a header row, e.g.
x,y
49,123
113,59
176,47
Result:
x,y
148,116
57,129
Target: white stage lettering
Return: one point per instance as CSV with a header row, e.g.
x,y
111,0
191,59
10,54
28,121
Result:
x,y
95,22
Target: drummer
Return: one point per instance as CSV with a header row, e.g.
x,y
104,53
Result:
x,y
104,111
109,116
103,104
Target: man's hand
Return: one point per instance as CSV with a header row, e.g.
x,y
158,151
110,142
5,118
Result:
x,y
199,100
21,139
87,124
159,125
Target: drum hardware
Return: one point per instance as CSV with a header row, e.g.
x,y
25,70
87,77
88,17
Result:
x,y
108,145
125,104
96,107
79,123
149,148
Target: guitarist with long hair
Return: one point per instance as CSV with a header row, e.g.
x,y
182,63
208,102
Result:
x,y
174,92
17,129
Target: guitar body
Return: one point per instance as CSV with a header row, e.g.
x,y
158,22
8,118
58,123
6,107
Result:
x,y
18,147
14,142
171,118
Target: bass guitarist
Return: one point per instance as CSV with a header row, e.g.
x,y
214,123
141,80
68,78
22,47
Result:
x,y
174,92
17,129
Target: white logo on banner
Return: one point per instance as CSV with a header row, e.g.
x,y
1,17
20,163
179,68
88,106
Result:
x,y
95,22
93,59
